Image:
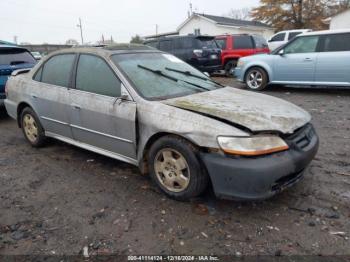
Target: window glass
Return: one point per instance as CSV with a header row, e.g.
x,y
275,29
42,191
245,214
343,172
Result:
x,y
156,87
221,43
203,42
166,45
302,45
337,43
95,76
152,44
15,56
260,42
58,69
293,34
278,37
242,42
197,31
38,74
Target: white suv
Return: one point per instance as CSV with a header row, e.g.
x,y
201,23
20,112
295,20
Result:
x,y
283,37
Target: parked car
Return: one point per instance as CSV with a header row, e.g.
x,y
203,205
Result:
x,y
36,55
202,52
152,110
312,59
12,58
234,47
281,38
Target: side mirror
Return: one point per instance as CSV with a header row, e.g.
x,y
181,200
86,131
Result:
x,y
124,94
207,74
281,52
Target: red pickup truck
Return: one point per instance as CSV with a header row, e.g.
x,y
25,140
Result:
x,y
236,46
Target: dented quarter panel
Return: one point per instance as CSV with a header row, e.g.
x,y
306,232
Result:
x,y
254,111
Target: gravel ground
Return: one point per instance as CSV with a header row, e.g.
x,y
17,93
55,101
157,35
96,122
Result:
x,y
60,199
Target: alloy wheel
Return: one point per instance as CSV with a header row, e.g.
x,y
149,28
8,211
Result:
x,y
30,128
254,79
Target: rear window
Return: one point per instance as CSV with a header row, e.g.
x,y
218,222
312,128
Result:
x,y
260,42
336,43
15,56
243,42
204,43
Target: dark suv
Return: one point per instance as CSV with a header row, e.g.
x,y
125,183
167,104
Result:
x,y
237,46
12,58
202,52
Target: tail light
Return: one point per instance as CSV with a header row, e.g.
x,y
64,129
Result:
x,y
198,53
6,87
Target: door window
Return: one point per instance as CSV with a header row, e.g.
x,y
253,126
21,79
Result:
x,y
243,42
221,43
95,76
57,71
292,35
278,37
302,45
336,43
260,42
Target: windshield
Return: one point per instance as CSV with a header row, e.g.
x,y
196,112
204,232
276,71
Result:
x,y
158,76
15,56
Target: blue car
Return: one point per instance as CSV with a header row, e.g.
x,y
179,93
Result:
x,y
12,58
311,59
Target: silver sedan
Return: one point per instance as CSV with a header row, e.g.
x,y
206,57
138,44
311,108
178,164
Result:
x,y
152,110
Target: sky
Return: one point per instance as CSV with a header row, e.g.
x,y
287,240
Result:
x,y
55,21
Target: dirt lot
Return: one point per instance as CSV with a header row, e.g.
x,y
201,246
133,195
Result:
x,y
60,199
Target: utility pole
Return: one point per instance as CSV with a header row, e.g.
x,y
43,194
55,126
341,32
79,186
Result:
x,y
81,31
156,29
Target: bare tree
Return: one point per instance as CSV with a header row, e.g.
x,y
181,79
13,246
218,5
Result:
x,y
240,14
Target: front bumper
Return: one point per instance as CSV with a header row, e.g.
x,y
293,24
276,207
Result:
x,y
238,73
247,178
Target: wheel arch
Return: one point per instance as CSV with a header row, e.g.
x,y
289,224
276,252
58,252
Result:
x,y
21,106
268,72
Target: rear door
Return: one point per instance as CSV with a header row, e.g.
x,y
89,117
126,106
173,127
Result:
x,y
99,118
298,62
50,96
243,45
333,63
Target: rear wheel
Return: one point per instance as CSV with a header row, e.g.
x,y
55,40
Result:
x,y
229,67
256,79
175,168
31,127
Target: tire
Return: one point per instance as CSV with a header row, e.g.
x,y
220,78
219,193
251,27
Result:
x,y
259,82
32,128
176,169
229,66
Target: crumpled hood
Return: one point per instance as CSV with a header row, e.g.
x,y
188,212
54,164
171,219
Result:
x,y
254,111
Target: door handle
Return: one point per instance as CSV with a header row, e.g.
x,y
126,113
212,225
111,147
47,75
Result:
x,y
75,106
34,96
308,59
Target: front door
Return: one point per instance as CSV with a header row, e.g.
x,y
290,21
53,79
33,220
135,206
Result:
x,y
99,118
297,63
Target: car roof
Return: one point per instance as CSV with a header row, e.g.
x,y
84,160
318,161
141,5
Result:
x,y
13,47
294,30
181,36
108,49
326,32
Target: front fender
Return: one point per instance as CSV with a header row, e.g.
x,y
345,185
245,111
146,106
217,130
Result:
x,y
268,67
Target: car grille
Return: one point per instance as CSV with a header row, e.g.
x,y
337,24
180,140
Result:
x,y
5,72
302,137
287,181
2,96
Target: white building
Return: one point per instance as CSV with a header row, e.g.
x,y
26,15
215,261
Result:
x,y
204,24
217,25
341,20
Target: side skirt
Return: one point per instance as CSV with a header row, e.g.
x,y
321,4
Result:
x,y
93,148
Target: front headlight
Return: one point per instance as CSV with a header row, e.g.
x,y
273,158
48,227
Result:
x,y
252,146
240,63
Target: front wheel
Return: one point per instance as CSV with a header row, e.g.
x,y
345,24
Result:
x,y
176,169
256,79
230,67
